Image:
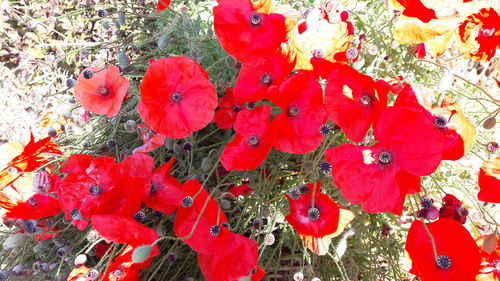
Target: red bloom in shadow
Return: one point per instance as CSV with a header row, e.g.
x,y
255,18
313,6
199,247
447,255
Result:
x,y
379,176
228,110
165,193
247,33
162,5
415,8
316,220
150,139
123,230
457,259
297,129
176,97
103,93
233,258
36,207
198,207
256,79
490,261
239,190
489,181
25,159
253,140
354,101
480,34
458,132
452,208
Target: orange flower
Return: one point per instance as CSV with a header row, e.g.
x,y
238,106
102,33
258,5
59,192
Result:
x,y
489,181
480,34
320,37
101,91
25,159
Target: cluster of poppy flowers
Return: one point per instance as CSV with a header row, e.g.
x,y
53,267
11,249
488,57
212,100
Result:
x,y
284,58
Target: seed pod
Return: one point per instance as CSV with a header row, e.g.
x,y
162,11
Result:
x,y
489,123
121,18
123,60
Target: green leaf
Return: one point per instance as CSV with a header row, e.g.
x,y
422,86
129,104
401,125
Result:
x,y
141,253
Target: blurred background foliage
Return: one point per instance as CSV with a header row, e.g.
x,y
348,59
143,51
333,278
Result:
x,y
45,43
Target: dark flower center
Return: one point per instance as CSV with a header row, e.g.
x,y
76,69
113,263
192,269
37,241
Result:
x,y
236,108
187,201
487,32
384,157
187,147
154,188
255,20
366,100
325,167
103,91
266,80
94,190
75,214
304,189
226,225
426,202
33,202
463,212
318,54
313,213
253,140
294,193
251,105
293,111
325,129
139,216
176,97
118,273
443,261
215,230
440,122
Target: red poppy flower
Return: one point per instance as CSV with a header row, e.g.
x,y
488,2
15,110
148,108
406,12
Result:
x,y
253,140
415,8
457,255
150,139
480,34
489,181
364,178
239,190
379,176
176,97
316,221
36,207
103,92
255,80
20,160
452,208
297,128
228,110
232,259
247,33
490,261
354,101
125,198
139,165
198,206
162,5
165,192
123,230
458,132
